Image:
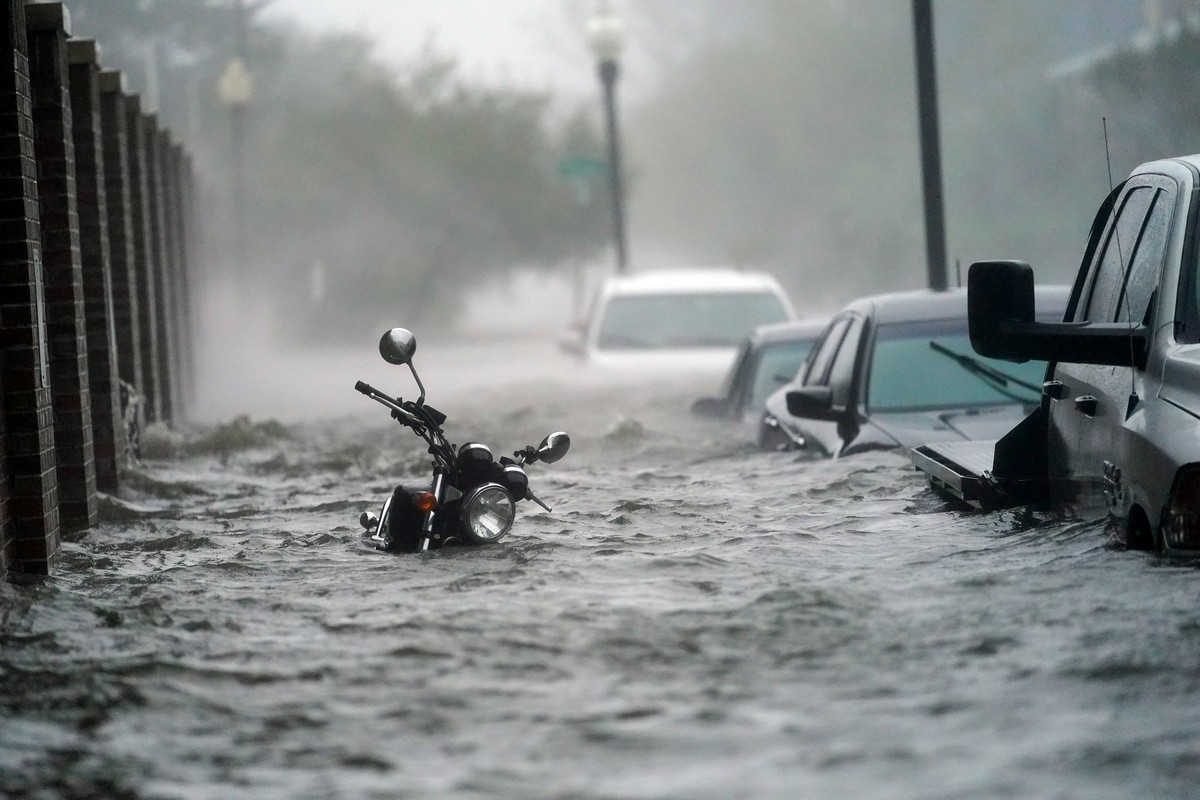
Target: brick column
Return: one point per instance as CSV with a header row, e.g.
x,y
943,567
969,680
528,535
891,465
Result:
x,y
145,262
160,247
192,263
46,26
94,256
30,534
118,191
182,300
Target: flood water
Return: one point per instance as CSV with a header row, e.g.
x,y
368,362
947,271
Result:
x,y
695,619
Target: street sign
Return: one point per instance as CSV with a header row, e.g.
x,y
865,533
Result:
x,y
583,168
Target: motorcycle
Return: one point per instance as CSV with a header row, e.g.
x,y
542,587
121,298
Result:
x,y
472,497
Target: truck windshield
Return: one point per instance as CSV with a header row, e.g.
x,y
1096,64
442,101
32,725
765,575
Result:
x,y
907,374
685,320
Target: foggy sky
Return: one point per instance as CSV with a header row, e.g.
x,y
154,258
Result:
x,y
527,42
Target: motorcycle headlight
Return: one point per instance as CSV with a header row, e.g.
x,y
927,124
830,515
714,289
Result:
x,y
1181,520
487,513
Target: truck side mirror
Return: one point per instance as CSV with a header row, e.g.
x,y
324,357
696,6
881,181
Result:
x,y
1002,324
998,292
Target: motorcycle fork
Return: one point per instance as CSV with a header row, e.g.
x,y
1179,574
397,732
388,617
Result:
x,y
439,493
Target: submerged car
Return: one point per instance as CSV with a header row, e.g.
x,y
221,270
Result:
x,y
1117,433
767,358
673,321
896,370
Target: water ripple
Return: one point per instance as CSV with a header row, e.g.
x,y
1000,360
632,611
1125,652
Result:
x,y
695,619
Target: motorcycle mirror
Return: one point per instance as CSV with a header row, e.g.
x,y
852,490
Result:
x,y
553,447
398,346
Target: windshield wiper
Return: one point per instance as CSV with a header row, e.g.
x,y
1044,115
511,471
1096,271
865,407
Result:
x,y
989,374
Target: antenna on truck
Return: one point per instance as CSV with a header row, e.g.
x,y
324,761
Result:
x,y
1108,159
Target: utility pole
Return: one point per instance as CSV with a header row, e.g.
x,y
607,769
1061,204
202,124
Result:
x,y
931,152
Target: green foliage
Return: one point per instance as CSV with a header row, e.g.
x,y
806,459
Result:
x,y
408,191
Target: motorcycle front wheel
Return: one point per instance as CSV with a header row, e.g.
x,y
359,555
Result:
x,y
401,523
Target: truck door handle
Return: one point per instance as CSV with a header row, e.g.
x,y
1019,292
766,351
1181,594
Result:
x,y
1086,405
1055,390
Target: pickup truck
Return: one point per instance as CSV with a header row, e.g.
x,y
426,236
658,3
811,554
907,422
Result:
x,y
1117,432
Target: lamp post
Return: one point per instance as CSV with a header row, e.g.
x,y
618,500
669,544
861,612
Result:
x,y
606,36
235,90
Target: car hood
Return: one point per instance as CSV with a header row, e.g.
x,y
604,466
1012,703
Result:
x,y
910,429
701,362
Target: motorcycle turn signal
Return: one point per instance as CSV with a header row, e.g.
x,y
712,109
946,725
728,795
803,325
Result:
x,y
425,501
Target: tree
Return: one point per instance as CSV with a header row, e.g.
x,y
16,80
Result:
x,y
373,193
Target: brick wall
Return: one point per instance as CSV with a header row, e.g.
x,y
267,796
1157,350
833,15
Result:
x,y
30,533
145,263
118,191
160,248
95,262
192,274
96,245
177,164
46,27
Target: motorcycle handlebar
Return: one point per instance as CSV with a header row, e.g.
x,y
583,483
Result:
x,y
398,413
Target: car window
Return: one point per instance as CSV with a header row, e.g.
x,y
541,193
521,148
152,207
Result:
x,y
909,374
841,374
818,365
686,320
1189,310
738,374
1142,279
776,366
1123,236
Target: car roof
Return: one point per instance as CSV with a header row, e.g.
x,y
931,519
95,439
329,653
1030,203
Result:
x,y
799,331
926,304
671,281
1153,166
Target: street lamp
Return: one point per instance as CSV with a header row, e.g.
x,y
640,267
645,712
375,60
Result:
x,y
606,36
235,90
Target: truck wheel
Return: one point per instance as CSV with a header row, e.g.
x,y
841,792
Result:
x,y
1138,535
